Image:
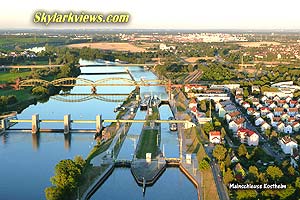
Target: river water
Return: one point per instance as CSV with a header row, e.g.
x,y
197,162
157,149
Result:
x,y
27,161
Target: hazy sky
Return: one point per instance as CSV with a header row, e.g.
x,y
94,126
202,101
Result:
x,y
169,14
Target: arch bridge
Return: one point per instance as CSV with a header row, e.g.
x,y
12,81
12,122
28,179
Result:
x,y
86,97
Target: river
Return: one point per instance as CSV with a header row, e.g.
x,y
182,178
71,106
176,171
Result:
x,y
27,161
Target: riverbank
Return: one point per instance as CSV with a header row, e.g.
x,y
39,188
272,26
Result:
x,y
99,163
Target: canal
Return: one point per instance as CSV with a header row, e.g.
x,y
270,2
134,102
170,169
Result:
x,y
27,162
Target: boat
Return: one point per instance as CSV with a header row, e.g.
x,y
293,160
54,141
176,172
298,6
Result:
x,y
172,125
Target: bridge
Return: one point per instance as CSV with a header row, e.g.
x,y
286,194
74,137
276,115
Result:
x,y
53,66
75,81
72,98
67,121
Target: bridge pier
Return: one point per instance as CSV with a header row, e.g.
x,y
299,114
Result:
x,y
4,124
99,122
67,123
35,124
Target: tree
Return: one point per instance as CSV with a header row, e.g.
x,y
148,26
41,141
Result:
x,y
79,161
40,90
203,105
223,132
203,164
66,175
246,194
289,191
253,173
274,173
242,150
228,176
207,127
219,152
291,170
297,183
245,92
227,160
53,193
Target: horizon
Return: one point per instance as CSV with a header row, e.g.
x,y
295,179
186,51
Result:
x,y
190,14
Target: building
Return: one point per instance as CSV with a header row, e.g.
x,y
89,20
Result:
x,y
287,144
215,137
248,136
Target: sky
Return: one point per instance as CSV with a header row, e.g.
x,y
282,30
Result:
x,y
162,14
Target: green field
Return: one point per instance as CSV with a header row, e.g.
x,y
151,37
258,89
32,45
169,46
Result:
x,y
148,143
6,77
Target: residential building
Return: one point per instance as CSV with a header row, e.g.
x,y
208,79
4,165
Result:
x,y
287,144
215,137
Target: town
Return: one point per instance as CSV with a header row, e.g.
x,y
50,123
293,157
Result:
x,y
222,107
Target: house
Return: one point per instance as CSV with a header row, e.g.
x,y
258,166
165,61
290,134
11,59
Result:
x,y
264,111
269,102
232,116
272,105
255,101
194,110
276,98
293,103
258,121
248,136
263,99
280,103
246,105
270,116
222,112
255,88
288,99
236,124
193,103
250,111
239,91
218,106
238,98
287,144
296,126
280,127
292,111
215,137
256,114
278,111
284,117
264,126
259,106
288,129
274,124
286,106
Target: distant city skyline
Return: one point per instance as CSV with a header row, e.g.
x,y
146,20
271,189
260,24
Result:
x,y
162,14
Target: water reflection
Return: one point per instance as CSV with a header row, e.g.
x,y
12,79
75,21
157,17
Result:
x,y
68,138
35,141
4,138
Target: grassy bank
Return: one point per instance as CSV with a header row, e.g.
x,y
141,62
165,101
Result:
x,y
6,77
209,186
148,144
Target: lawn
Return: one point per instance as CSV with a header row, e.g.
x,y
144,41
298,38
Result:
x,y
148,144
6,77
21,95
